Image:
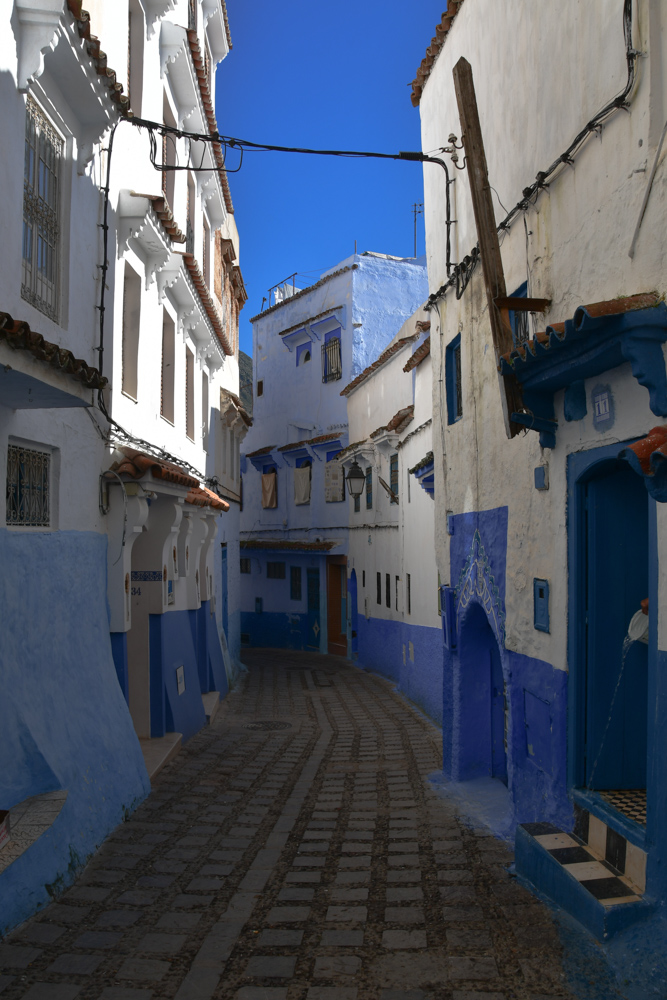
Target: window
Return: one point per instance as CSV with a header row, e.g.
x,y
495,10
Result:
x,y
519,320
332,368
357,504
135,56
245,565
302,481
379,588
269,487
453,380
303,354
189,394
28,487
396,593
369,488
393,476
41,212
387,589
275,570
260,388
168,154
205,416
206,255
295,583
168,358
408,595
131,322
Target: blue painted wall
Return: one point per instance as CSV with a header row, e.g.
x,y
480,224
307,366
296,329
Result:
x,y
383,646
63,717
119,653
174,643
536,692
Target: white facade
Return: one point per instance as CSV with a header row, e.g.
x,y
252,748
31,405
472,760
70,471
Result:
x,y
394,621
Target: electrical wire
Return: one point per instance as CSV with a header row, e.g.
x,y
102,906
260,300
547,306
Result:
x,y
463,271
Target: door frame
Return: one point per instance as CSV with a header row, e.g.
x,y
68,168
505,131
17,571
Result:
x,y
580,467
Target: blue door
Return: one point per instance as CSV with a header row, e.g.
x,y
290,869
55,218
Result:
x,y
615,512
354,615
313,583
225,593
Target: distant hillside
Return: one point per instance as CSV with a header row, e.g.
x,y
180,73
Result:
x,y
245,381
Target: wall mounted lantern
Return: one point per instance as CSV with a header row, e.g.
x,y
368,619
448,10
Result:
x,y
356,480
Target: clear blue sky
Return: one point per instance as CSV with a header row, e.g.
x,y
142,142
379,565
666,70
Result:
x,y
332,75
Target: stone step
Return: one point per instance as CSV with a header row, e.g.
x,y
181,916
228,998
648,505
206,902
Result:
x,y
159,751
211,702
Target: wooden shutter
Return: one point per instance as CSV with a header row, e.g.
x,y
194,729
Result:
x,y
334,482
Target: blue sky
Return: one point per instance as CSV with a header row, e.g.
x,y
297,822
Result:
x,y
330,75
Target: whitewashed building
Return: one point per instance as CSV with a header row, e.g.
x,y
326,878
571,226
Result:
x,y
550,539
392,576
120,293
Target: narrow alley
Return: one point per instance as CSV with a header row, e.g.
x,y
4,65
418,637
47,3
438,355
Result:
x,y
294,850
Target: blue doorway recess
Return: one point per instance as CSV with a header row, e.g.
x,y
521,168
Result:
x,y
613,574
483,709
313,584
225,592
354,615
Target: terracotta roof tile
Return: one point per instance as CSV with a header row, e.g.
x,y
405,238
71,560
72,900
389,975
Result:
x,y
304,291
19,336
384,357
99,57
279,546
137,463
398,422
433,50
350,447
226,20
207,101
207,301
261,451
556,332
654,442
200,496
316,440
422,352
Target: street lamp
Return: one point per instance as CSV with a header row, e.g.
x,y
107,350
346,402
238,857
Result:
x,y
355,480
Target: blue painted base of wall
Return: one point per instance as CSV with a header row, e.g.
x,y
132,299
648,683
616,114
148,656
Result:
x,y
276,631
187,639
63,717
119,653
383,645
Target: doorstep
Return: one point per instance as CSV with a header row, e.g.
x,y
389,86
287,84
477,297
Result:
x,y
574,872
211,705
159,751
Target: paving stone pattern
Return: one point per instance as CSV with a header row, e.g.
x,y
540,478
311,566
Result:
x,y
308,863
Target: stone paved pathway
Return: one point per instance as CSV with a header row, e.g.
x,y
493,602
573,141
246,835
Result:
x,y
294,851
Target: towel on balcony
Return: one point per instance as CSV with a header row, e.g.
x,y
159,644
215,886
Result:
x,y
302,485
269,489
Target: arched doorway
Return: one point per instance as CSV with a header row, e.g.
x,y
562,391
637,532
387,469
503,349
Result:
x,y
354,615
482,700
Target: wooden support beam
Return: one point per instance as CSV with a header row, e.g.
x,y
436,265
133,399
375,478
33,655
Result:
x,y
487,235
522,304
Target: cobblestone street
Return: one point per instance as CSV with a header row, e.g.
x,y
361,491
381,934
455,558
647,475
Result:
x,y
294,851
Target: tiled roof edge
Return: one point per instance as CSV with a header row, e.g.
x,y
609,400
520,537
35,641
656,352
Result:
x,y
304,291
225,18
82,17
386,355
207,101
207,301
19,336
433,51
422,352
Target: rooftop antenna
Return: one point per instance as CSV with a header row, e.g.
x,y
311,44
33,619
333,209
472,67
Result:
x,y
417,209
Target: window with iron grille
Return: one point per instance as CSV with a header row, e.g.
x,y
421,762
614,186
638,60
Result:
x,y
41,212
379,588
453,380
275,570
393,476
245,565
28,487
295,583
332,368
369,488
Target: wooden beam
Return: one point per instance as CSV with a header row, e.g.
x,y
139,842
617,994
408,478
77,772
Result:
x,y
487,235
522,304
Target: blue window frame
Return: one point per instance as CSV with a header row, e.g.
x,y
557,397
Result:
x,y
453,380
393,475
369,488
332,364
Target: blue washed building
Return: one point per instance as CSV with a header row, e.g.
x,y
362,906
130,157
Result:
x,y
294,523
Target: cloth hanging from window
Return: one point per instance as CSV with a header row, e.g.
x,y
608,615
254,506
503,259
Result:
x,y
302,485
269,489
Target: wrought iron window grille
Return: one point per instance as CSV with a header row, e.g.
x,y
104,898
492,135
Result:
x,y
332,368
41,212
28,487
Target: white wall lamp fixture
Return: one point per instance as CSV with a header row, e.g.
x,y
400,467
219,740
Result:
x,y
356,480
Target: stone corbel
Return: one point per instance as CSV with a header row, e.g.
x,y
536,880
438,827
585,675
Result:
x,y
38,24
155,10
173,44
126,518
168,275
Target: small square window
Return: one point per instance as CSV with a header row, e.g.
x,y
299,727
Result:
x,y
275,570
245,565
260,387
28,487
